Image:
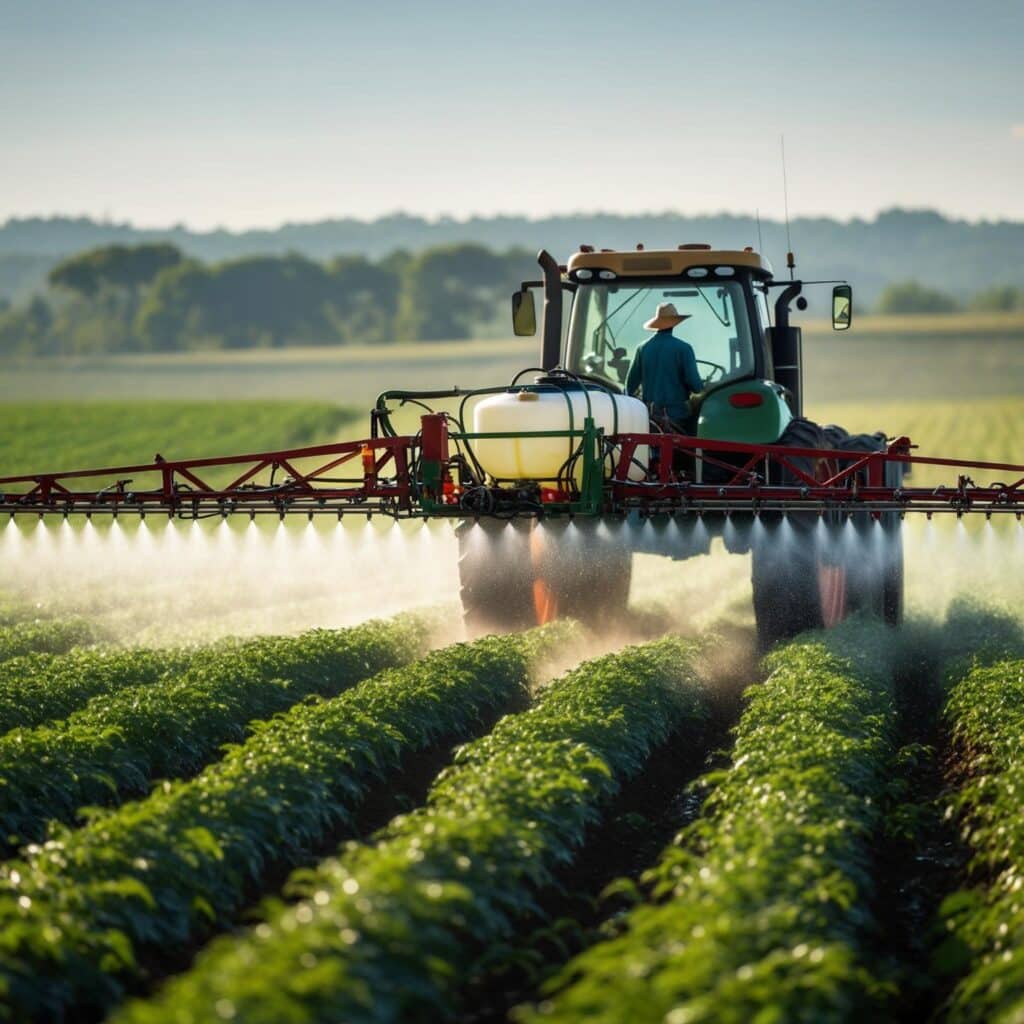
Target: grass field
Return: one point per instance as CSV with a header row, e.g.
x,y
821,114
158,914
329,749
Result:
x,y
48,436
914,357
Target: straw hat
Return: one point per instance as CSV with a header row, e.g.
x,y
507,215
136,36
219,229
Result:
x,y
667,316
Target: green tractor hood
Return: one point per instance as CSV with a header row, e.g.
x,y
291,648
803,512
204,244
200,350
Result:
x,y
751,411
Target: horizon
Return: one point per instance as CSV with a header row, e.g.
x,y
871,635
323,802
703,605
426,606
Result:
x,y
237,117
444,218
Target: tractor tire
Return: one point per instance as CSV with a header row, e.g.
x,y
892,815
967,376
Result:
x,y
810,572
875,567
519,573
796,586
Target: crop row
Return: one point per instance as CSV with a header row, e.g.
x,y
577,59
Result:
x,y
984,926
16,609
389,930
118,742
161,873
54,636
39,688
765,901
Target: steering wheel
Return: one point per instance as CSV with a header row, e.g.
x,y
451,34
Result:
x,y
715,368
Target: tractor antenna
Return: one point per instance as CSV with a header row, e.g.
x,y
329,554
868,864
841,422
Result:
x,y
790,260
760,240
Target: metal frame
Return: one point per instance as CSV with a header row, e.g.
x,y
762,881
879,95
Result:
x,y
412,476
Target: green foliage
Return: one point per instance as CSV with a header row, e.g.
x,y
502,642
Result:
x,y
44,637
14,610
984,926
387,931
1000,299
114,266
118,742
149,299
36,436
159,872
37,688
915,298
447,292
764,908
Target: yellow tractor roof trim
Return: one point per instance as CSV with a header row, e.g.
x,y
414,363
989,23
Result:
x,y
647,262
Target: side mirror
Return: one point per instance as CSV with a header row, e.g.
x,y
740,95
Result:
x,y
524,313
842,307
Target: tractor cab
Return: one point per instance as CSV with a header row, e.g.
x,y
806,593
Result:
x,y
750,367
722,294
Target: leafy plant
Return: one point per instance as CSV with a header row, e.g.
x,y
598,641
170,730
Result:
x,y
118,742
156,874
45,637
984,925
38,688
763,905
386,931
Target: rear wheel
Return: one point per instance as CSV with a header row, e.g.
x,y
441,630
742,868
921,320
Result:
x,y
519,573
796,586
875,564
810,571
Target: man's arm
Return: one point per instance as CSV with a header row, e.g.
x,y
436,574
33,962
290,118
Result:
x,y
635,373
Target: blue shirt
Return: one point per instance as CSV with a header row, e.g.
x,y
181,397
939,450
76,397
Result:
x,y
665,370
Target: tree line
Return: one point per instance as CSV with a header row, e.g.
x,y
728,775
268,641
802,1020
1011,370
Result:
x,y
912,297
152,298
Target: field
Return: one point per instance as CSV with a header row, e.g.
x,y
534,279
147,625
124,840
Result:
x,y
60,435
925,358
477,833
257,772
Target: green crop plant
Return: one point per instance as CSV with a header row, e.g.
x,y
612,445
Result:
x,y
14,609
44,637
387,931
118,742
38,688
762,907
984,925
163,872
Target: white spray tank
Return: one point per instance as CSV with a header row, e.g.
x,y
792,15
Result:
x,y
546,406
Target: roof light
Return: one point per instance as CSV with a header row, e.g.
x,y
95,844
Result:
x,y
607,275
746,399
584,274
697,272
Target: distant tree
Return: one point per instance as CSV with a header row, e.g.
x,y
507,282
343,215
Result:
x,y
1000,299
913,297
448,291
261,301
361,300
117,266
26,329
169,312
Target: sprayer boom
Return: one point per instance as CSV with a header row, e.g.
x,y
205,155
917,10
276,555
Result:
x,y
405,476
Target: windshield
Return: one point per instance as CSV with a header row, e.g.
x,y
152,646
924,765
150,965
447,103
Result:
x,y
608,327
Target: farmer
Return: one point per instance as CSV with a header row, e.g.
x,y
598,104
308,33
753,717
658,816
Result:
x,y
665,371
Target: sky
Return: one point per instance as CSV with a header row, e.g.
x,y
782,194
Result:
x,y
250,114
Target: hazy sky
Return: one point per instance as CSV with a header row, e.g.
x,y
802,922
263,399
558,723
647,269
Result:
x,y
222,112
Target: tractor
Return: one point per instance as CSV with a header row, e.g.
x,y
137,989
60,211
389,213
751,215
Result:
x,y
805,571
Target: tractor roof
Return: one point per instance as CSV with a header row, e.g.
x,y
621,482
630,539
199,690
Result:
x,y
642,262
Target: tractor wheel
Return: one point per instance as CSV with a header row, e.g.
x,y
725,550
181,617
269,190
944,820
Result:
x,y
874,566
796,586
520,573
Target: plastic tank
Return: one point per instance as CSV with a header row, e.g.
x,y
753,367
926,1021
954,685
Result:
x,y
542,458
